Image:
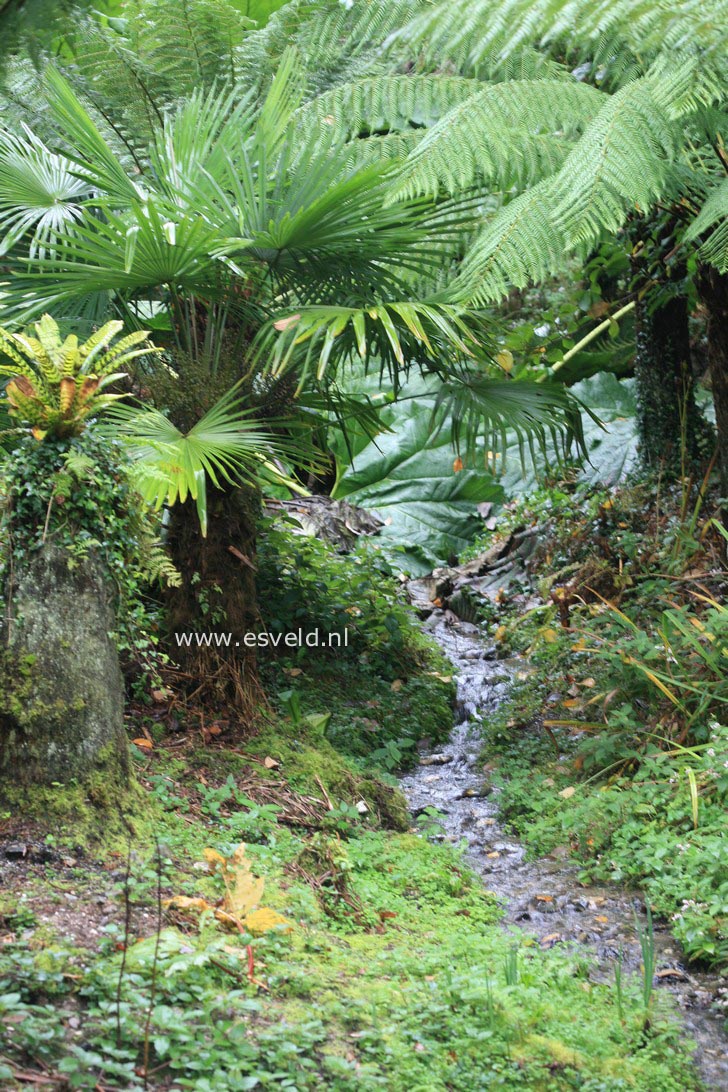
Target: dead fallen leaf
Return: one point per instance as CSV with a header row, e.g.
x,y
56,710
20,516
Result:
x,y
263,920
270,763
144,744
567,792
243,891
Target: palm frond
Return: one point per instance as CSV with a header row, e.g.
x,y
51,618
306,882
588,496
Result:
x,y
482,409
40,195
95,161
226,446
397,335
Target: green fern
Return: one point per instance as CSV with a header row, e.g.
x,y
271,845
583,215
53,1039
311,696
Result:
x,y
156,565
599,31
712,221
520,245
504,135
385,104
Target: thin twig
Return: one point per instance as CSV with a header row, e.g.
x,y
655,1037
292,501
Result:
x,y
127,929
155,959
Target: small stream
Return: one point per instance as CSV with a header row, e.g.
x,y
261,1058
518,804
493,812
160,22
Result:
x,y
545,898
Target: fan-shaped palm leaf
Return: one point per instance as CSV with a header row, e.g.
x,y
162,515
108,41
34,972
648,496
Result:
x,y
227,445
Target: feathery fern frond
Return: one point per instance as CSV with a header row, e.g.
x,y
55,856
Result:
x,y
390,149
621,163
468,31
385,104
520,245
493,137
713,218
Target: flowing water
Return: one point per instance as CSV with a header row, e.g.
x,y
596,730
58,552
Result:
x,y
545,897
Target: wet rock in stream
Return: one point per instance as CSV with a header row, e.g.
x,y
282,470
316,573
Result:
x,y
545,898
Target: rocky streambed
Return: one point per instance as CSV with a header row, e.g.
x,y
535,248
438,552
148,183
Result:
x,y
544,898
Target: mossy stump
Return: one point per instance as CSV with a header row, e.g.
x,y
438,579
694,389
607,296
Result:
x,y
61,688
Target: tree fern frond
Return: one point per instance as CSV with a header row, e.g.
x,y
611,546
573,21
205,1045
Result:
x,y
713,218
492,137
520,245
604,28
390,148
621,163
385,104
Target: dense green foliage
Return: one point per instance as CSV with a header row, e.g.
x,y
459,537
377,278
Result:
x,y
397,252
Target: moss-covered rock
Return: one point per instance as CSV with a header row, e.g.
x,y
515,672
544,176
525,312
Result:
x,y
61,689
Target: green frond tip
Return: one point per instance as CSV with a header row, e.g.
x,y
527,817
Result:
x,y
712,222
383,104
397,335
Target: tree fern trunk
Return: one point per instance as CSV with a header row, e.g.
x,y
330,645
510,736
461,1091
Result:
x,y
669,422
217,601
713,289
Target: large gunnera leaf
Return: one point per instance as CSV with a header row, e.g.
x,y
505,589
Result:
x,y
408,478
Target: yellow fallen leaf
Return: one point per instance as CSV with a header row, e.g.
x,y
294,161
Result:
x,y
240,910
184,902
549,635
263,920
243,890
500,633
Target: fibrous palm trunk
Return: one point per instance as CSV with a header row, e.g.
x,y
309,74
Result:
x,y
216,606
